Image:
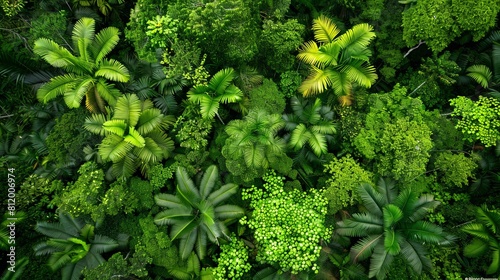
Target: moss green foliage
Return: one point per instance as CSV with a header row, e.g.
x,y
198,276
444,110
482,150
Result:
x,y
133,265
455,170
11,8
439,22
253,146
267,97
233,260
345,175
433,80
159,176
161,29
444,263
396,135
479,120
277,42
66,139
49,25
289,83
288,226
155,244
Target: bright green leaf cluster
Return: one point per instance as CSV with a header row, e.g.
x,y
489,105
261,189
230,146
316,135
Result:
x,y
233,260
455,169
160,30
345,175
479,120
288,226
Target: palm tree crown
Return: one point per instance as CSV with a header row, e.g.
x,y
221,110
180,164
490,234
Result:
x,y
197,213
392,225
338,62
88,72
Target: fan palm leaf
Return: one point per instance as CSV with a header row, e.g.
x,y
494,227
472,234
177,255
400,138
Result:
x,y
481,74
317,82
208,181
94,124
415,254
221,80
186,244
380,262
57,86
136,139
128,108
54,54
104,42
364,75
114,148
229,211
113,70
359,36
83,34
117,127
324,29
476,248
149,120
364,248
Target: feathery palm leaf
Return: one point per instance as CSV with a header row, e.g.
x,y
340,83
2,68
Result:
x,y
481,74
104,42
324,29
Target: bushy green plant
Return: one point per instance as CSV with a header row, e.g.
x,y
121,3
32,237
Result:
x,y
290,82
233,260
345,174
267,97
288,226
478,120
455,170
161,29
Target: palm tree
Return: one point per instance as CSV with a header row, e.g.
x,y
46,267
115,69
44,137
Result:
x,y
218,90
73,246
311,124
486,233
88,73
134,136
254,141
339,62
197,213
392,225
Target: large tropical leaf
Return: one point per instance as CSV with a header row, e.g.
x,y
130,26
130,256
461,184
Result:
x,y
477,230
186,189
221,80
54,230
372,200
317,142
181,228
104,42
424,231
187,244
117,127
340,83
364,248
488,218
150,153
230,95
392,215
317,82
391,241
359,36
113,70
422,206
168,200
324,29
107,91
229,211
223,193
476,248
209,107
495,262
416,255
103,244
124,167
57,86
201,243
149,120
135,138
364,75
128,108
300,135
54,54
83,34
208,181
380,262
114,148
481,74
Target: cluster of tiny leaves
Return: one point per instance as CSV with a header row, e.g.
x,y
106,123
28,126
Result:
x,y
444,264
160,30
479,120
288,226
193,133
233,260
11,7
345,176
290,82
455,169
159,175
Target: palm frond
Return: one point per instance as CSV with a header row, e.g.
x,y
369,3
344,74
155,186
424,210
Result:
x,y
221,80
300,135
359,36
392,215
174,215
208,181
107,91
83,34
364,248
149,120
187,244
488,218
58,260
117,127
372,200
181,228
186,188
380,262
423,205
425,231
209,107
495,262
168,200
104,42
73,98
135,138
54,54
57,86
317,142
481,74
54,230
114,148
309,53
163,141
317,82
128,108
416,255
364,75
387,188
391,241
113,70
232,94
340,83
223,193
95,124
477,230
103,244
478,247
201,243
229,211
125,167
324,29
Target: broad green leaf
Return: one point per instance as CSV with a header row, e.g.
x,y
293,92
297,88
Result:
x,y
208,181
128,108
104,42
59,85
476,248
112,70
83,34
380,262
392,215
391,242
364,248
117,127
229,211
324,29
168,200
223,193
135,138
416,255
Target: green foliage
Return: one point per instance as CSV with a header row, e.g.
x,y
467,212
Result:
x,y
161,29
288,226
277,41
66,139
253,146
479,120
11,8
455,170
192,133
391,225
225,30
117,265
486,233
219,89
48,25
159,175
439,22
433,80
233,260
267,97
396,135
155,245
196,213
345,174
88,73
289,83
337,62
73,245
134,136
444,263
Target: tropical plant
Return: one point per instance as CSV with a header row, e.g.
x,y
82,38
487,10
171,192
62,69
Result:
x,y
486,233
339,62
197,213
253,145
218,90
134,136
73,245
392,225
88,72
311,124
